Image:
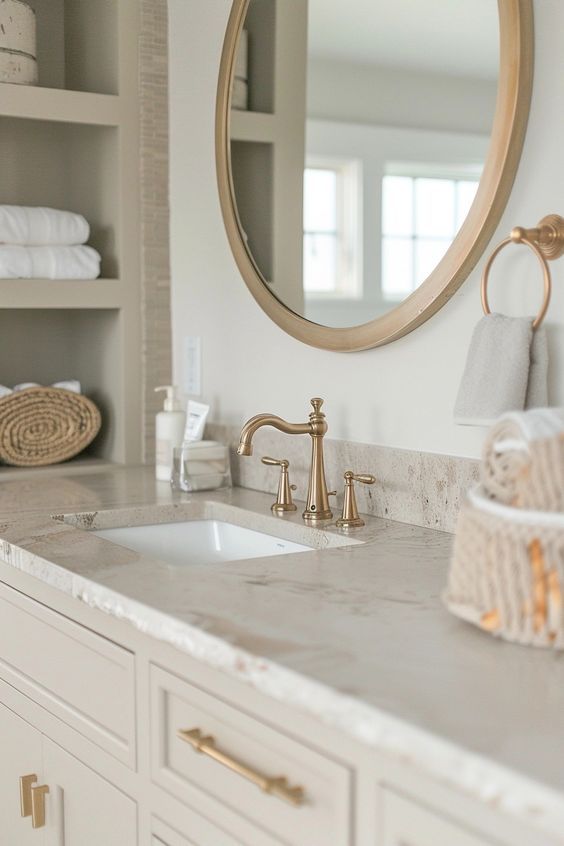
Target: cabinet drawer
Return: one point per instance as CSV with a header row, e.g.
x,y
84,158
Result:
x,y
408,824
246,747
198,832
82,678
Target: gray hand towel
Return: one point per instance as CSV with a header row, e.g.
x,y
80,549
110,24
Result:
x,y
506,370
537,388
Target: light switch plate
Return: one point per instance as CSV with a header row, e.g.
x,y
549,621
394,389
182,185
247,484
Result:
x,y
193,365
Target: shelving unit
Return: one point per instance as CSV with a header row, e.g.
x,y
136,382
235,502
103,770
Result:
x,y
22,101
72,142
60,293
253,126
268,144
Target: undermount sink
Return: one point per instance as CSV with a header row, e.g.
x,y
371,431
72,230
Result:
x,y
199,542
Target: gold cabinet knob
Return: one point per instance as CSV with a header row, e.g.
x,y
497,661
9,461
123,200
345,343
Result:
x,y
350,518
26,782
38,805
284,500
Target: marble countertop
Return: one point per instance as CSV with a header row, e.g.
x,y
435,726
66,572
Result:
x,y
355,635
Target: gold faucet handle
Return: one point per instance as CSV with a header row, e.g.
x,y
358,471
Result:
x,y
284,502
350,518
365,478
275,462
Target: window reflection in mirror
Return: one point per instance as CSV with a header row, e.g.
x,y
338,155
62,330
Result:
x,y
352,185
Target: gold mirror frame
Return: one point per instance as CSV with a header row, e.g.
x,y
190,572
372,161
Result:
x,y
508,133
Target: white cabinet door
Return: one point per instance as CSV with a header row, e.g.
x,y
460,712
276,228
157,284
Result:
x,y
87,810
21,755
406,823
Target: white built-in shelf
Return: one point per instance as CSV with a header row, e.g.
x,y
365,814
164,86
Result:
x,y
72,143
61,293
55,104
253,126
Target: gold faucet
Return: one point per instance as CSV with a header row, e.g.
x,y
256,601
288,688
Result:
x,y
317,505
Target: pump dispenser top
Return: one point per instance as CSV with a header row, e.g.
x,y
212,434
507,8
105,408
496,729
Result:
x,y
171,403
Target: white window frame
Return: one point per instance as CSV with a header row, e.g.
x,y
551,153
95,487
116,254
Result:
x,y
426,170
349,227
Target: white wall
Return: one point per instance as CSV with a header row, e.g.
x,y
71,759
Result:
x,y
398,395
360,93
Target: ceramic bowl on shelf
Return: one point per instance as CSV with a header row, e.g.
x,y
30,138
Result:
x,y
18,43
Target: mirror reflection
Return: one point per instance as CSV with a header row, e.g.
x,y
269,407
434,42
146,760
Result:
x,y
359,130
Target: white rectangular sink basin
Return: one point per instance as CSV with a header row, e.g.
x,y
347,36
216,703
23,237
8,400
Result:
x,y
199,542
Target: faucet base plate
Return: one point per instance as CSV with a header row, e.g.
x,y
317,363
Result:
x,y
354,523
317,516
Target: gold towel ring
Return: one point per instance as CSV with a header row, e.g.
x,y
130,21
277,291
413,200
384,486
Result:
x,y
519,236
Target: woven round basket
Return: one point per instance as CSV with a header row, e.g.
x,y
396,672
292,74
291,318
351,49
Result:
x,y
40,426
507,571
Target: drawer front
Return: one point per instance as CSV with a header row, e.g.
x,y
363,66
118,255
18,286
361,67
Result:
x,y
408,824
82,678
198,832
246,747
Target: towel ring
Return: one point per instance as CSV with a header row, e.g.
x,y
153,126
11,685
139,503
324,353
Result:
x,y
518,237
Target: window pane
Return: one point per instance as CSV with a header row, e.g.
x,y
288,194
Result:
x,y
434,207
320,200
397,267
465,193
397,205
320,263
428,253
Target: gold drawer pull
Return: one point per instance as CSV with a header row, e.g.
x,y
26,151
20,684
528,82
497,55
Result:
x,y
38,805
25,794
205,744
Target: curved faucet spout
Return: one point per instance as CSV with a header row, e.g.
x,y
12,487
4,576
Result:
x,y
247,432
317,502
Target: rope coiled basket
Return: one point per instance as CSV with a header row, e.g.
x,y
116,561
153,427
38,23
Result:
x,y
507,571
44,425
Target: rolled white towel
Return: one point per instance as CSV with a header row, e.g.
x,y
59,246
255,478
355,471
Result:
x,y
69,385
523,460
23,386
39,226
72,385
80,262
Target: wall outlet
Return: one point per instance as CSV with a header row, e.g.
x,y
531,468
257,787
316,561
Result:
x,y
192,365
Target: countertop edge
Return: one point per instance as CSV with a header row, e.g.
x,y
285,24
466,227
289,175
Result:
x,y
453,766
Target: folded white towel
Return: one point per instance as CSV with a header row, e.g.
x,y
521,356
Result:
x,y
506,370
48,262
40,226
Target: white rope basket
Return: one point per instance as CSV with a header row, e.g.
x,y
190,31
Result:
x,y
507,571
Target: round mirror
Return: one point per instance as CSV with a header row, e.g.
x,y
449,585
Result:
x,y
365,153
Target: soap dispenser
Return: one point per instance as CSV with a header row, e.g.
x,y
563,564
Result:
x,y
169,432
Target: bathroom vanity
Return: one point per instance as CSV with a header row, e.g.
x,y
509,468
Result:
x,y
320,697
